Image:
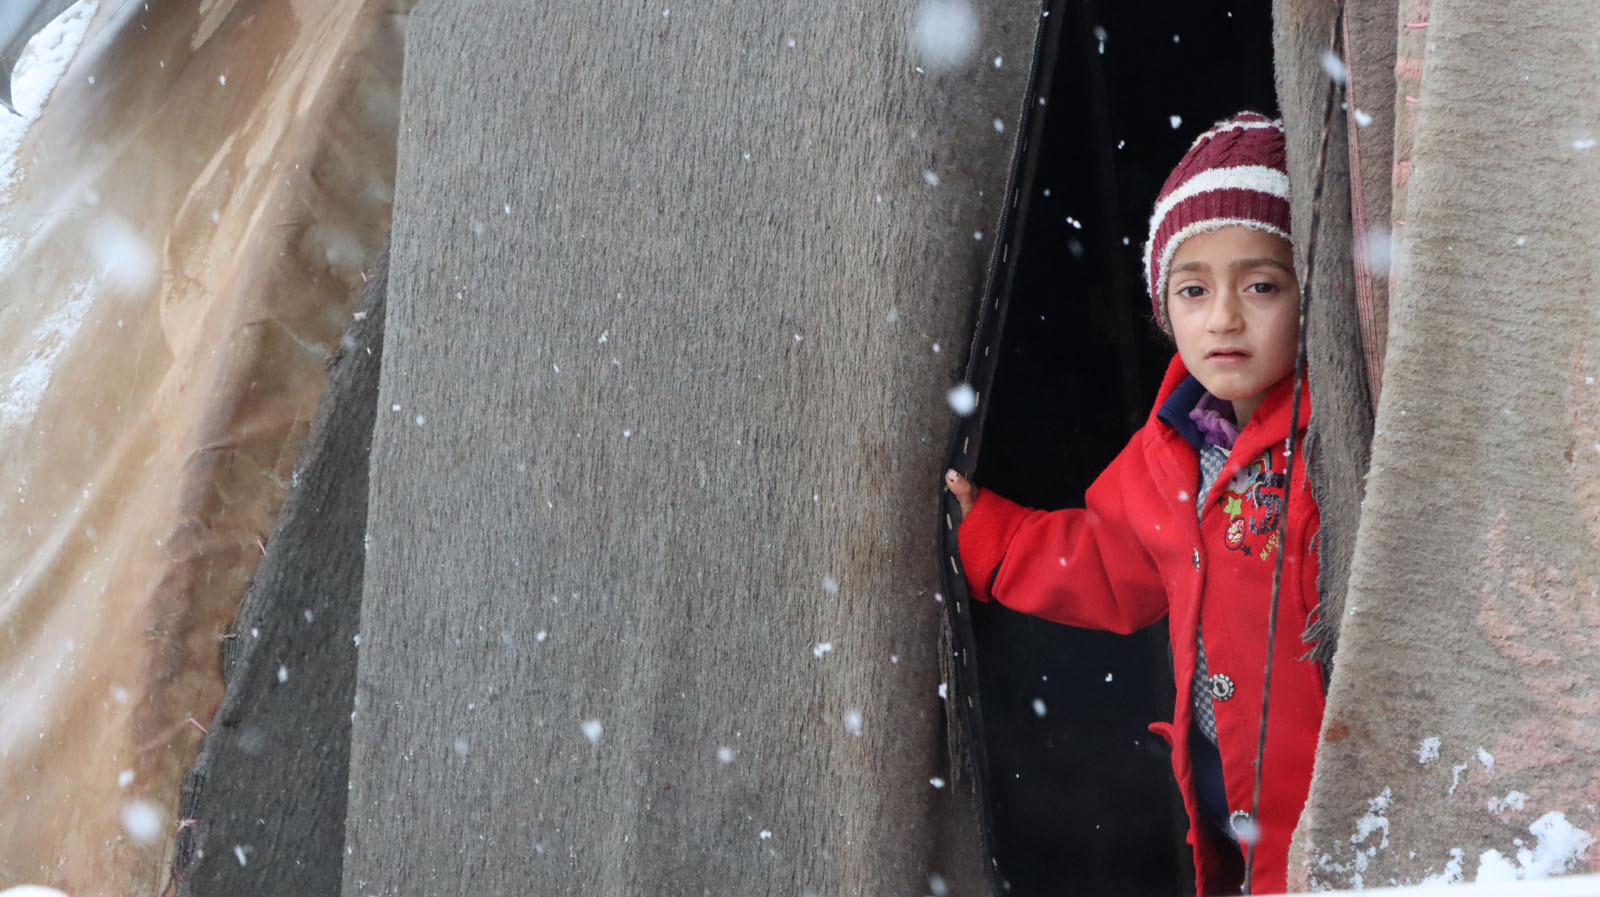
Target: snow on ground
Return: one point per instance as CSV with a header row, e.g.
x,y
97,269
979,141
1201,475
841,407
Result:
x,y
41,66
27,385
1560,846
1565,886
46,58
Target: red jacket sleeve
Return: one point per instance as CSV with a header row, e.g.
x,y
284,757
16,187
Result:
x,y
1078,566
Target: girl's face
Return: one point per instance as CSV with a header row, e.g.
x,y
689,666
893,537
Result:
x,y
1234,304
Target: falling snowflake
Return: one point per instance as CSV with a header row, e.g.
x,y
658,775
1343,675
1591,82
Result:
x,y
1334,66
963,400
852,722
945,32
142,820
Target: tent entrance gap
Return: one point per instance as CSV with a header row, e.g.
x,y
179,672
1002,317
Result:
x,y
1079,793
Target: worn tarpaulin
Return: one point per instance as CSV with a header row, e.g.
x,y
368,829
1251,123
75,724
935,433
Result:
x,y
184,235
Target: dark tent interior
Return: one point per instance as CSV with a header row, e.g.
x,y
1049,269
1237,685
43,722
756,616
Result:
x,y
1081,795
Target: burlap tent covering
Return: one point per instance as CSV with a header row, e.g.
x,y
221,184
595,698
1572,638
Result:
x,y
1466,687
194,210
650,589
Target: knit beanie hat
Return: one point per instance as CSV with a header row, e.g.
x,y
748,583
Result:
x,y
1233,174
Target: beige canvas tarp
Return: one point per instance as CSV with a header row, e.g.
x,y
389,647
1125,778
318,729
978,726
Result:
x,y
189,223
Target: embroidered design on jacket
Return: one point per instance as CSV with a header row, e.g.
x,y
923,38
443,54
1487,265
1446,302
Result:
x,y
1254,501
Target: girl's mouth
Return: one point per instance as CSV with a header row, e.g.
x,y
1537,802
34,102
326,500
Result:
x,y
1227,355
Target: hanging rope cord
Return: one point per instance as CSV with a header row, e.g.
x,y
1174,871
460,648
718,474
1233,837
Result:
x,y
1335,47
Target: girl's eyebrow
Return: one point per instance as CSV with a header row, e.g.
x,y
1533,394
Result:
x,y
1236,264
1261,263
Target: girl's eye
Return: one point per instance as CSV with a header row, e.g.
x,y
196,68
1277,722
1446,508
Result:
x,y
1263,286
1192,291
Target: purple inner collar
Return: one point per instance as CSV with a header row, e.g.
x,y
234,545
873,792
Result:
x,y
1214,418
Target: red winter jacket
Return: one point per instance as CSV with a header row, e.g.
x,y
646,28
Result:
x,y
1136,553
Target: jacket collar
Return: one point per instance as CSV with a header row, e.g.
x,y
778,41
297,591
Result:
x,y
1180,391
1174,410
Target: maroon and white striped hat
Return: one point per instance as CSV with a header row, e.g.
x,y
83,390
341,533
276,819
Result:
x,y
1233,174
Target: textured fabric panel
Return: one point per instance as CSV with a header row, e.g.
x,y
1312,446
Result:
x,y
1466,691
1341,426
1369,53
1411,45
272,774
650,597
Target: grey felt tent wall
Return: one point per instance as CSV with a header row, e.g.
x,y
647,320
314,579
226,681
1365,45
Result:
x,y
650,587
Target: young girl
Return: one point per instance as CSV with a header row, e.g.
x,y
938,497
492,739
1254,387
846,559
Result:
x,y
1185,522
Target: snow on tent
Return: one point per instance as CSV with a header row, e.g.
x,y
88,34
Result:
x,y
579,541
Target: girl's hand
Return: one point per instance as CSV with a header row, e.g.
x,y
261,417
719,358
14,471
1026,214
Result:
x,y
962,488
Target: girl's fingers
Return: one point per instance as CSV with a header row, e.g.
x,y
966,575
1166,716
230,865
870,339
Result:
x,y
961,488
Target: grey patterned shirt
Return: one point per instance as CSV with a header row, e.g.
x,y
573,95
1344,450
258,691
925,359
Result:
x,y
1212,460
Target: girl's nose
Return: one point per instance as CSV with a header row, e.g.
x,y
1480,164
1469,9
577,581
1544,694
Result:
x,y
1224,313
